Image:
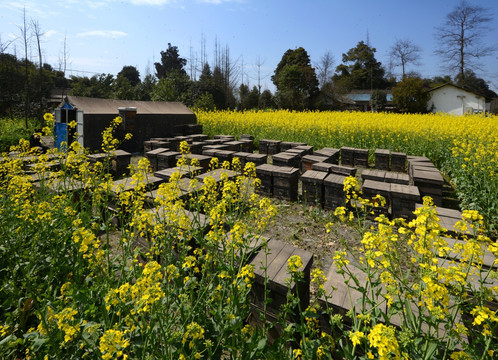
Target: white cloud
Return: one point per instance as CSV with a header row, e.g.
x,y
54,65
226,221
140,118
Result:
x,y
37,10
103,33
50,33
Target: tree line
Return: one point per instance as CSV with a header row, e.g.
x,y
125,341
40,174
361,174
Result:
x,y
25,86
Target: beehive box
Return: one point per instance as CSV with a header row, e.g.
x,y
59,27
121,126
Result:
x,y
183,171
333,191
152,157
331,153
269,147
286,159
397,178
307,148
264,173
286,145
285,182
347,156
166,159
312,186
247,145
242,157
147,146
371,188
403,200
343,170
210,152
360,158
429,183
373,174
296,151
219,175
322,166
247,137
120,162
234,145
160,144
257,159
214,146
308,160
203,160
196,147
398,162
224,138
272,265
175,142
198,137
382,159
225,155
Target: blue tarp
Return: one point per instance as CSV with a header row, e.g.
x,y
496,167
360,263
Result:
x,y
67,106
61,136
366,97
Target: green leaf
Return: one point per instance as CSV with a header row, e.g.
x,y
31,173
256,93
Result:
x,y
409,314
261,344
430,350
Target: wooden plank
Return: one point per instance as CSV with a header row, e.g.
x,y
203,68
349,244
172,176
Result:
x,y
265,257
218,175
279,265
342,297
128,184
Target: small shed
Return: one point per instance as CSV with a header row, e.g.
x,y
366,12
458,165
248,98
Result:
x,y
452,99
361,99
143,119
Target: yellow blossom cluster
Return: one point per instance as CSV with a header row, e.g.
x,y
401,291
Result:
x,y
465,147
141,295
113,344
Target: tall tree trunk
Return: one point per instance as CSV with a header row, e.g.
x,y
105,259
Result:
x,y
462,54
38,34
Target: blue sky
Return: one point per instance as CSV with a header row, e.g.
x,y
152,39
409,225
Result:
x,y
105,35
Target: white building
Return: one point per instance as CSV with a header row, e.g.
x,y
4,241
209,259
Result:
x,y
456,100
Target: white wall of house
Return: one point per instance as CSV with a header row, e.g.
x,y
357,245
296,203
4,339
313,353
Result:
x,y
453,100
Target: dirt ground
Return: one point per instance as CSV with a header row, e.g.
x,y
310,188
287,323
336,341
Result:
x,y
304,226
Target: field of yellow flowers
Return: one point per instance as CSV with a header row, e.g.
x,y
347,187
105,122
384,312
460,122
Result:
x,y
90,271
463,147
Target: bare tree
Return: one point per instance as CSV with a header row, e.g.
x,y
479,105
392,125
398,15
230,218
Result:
x,y
203,52
259,64
325,68
230,71
38,34
404,52
26,39
242,69
64,56
4,45
192,63
460,38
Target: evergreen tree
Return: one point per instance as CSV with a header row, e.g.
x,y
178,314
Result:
x,y
296,81
170,61
411,95
360,70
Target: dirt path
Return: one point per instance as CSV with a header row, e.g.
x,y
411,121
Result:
x,y
304,226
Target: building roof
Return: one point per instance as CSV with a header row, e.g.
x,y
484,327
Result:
x,y
110,106
364,95
457,87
